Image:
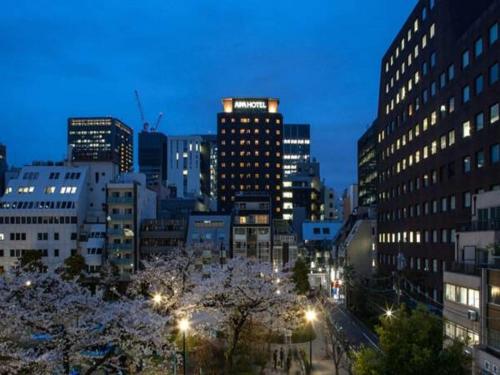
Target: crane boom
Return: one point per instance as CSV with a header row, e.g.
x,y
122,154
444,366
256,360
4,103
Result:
x,y
141,110
160,115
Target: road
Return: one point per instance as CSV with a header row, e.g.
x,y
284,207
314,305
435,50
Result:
x,y
357,333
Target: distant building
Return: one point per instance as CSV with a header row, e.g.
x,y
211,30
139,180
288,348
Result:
x,y
188,169
329,203
303,189
129,202
209,163
3,168
250,151
209,235
153,158
296,146
101,139
350,201
285,246
43,210
252,236
367,168
162,236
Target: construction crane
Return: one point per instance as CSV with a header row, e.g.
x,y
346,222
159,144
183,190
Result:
x,y
160,115
145,124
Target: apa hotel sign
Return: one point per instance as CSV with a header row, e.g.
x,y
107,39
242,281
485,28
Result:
x,y
262,105
250,104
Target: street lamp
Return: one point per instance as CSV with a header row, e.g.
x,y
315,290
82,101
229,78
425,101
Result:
x,y
183,327
388,313
311,317
28,283
157,297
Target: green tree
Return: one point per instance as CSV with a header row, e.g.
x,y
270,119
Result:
x,y
411,343
300,276
74,266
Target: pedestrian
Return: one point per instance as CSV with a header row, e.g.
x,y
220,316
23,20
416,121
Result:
x,y
275,358
282,357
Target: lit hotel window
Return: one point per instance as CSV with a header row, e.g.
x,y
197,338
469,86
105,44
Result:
x,y
466,129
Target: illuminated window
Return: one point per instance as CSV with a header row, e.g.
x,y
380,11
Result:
x,y
466,129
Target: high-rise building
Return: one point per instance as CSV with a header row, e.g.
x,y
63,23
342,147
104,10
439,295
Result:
x,y
302,189
3,167
367,168
209,168
438,133
250,151
329,209
153,157
296,146
101,139
187,167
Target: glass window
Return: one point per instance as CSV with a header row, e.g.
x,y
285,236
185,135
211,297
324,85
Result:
x,y
467,199
494,113
479,84
467,164
473,299
478,47
495,153
466,94
480,159
466,129
479,120
493,74
493,33
465,59
433,59
451,137
451,72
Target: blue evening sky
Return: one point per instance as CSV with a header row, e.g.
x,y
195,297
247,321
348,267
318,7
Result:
x,y
61,58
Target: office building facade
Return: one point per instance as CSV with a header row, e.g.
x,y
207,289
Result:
x,y
101,139
302,189
186,169
252,226
438,134
153,158
250,151
296,146
367,168
43,210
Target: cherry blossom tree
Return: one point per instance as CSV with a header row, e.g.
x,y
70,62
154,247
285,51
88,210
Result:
x,y
50,324
245,291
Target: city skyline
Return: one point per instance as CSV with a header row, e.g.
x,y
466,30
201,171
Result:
x,y
71,74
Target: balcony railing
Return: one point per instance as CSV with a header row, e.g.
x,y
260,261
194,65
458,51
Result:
x,y
121,217
480,226
473,268
117,200
120,246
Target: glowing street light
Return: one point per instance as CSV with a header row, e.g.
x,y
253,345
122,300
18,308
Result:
x,y
28,283
389,313
183,327
157,297
311,317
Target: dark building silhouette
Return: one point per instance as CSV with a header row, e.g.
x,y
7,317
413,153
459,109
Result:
x,y
153,157
367,167
296,146
438,134
101,139
250,151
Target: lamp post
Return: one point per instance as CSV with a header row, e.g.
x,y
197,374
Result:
x,y
311,317
183,327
